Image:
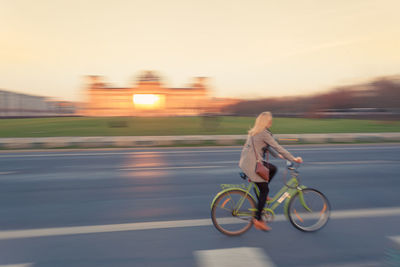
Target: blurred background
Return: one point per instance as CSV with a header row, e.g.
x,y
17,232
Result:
x,y
179,58
124,75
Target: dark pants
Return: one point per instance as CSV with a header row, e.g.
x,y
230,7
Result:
x,y
264,190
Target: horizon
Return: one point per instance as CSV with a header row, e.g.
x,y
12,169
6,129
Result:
x,y
247,50
311,94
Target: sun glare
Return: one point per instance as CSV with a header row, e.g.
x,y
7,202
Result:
x,y
147,100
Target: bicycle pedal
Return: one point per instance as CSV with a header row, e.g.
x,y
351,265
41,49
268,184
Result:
x,y
267,216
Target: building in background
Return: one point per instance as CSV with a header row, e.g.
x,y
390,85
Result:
x,y
149,97
17,105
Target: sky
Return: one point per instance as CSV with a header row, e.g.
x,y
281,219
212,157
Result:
x,y
248,48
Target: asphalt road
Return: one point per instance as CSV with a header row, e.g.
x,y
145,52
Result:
x,y
151,207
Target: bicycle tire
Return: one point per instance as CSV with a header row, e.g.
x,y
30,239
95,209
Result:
x,y
309,220
235,222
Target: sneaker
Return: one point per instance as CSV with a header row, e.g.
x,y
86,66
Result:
x,y
261,225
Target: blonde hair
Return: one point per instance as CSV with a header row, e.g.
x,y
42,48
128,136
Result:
x,y
262,122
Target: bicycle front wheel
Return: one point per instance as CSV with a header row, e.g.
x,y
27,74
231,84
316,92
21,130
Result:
x,y
309,210
232,212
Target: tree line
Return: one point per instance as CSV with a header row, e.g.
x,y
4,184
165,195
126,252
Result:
x,y
379,97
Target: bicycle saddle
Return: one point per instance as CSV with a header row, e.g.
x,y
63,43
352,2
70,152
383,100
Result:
x,y
243,175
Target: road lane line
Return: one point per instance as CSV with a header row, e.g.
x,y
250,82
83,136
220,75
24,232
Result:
x,y
327,162
116,153
351,264
392,251
91,229
362,213
5,173
395,239
349,162
169,168
42,232
18,265
233,257
327,149
236,162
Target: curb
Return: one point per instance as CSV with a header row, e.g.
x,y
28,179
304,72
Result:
x,y
149,141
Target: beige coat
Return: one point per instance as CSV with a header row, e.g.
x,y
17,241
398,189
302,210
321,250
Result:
x,y
248,159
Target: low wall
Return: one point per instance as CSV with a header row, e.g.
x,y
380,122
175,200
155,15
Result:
x,y
145,141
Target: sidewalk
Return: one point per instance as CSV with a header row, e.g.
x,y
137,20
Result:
x,y
145,141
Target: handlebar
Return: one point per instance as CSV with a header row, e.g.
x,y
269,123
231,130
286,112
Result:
x,y
292,166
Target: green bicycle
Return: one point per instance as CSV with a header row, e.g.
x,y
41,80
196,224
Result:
x,y
233,208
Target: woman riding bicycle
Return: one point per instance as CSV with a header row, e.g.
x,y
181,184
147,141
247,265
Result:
x,y
262,138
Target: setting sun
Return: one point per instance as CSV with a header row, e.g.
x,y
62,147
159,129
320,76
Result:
x,y
147,100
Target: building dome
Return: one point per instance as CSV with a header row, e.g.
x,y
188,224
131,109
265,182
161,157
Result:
x,y
148,76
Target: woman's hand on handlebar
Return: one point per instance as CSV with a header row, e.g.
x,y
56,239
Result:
x,y
298,160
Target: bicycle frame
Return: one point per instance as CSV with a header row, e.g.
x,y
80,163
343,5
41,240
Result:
x,y
283,195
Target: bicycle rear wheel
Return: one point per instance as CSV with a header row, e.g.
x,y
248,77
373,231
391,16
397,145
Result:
x,y
309,210
231,217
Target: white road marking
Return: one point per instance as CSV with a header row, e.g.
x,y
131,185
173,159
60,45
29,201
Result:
x,y
233,257
351,162
327,162
91,229
392,251
236,163
395,239
169,168
329,148
116,153
5,173
362,213
352,264
18,265
15,234
326,148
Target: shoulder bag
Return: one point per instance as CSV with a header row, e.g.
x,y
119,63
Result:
x,y
261,169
